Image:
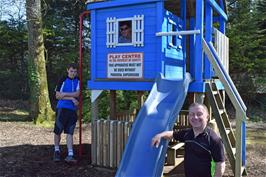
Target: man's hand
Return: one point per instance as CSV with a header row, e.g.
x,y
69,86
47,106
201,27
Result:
x,y
59,95
75,101
63,95
156,140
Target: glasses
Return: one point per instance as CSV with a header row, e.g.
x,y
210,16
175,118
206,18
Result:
x,y
124,29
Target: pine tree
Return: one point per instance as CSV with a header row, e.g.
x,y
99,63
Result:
x,y
260,21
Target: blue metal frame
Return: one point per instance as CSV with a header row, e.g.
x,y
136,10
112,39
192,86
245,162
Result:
x,y
93,45
243,143
218,9
160,14
198,84
208,38
183,5
191,47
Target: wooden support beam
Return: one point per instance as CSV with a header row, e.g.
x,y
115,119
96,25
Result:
x,y
171,153
140,98
94,117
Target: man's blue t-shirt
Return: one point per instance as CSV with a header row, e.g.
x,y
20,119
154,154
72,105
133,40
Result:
x,y
66,84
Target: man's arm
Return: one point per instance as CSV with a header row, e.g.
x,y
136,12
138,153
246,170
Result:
x,y
73,99
61,95
157,138
219,169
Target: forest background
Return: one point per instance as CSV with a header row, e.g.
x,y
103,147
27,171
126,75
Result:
x,y
246,30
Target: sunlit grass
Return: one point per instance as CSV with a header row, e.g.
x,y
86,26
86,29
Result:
x,y
14,115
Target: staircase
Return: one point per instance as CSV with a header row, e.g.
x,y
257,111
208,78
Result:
x,y
223,123
234,145
222,119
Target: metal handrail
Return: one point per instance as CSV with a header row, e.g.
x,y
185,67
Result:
x,y
176,33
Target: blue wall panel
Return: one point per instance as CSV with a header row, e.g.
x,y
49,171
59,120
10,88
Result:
x,y
158,55
150,54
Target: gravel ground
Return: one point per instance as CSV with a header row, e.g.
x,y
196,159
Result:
x,y
26,150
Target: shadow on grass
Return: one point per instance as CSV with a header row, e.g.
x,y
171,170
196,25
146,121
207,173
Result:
x,y
36,160
13,115
14,110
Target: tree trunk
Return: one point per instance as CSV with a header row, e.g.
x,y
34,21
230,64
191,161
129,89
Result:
x,y
40,107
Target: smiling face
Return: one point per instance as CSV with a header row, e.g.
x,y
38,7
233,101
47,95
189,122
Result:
x,y
198,116
125,29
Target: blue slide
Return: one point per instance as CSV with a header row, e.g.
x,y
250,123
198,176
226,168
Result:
x,y
158,114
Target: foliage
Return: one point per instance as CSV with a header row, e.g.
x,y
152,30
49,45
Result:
x,y
61,37
13,72
246,30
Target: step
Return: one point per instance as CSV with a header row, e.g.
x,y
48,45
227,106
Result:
x,y
227,131
221,111
234,150
177,146
171,153
215,92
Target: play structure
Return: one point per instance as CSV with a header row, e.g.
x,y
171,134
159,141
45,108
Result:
x,y
177,50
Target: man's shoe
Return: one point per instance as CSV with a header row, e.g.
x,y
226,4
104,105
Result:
x,y
57,157
70,159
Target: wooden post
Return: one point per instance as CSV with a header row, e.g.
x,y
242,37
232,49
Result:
x,y
94,113
140,99
239,134
196,98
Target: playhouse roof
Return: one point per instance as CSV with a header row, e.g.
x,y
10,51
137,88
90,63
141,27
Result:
x,y
171,5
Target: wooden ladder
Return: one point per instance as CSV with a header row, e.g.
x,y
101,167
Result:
x,y
223,123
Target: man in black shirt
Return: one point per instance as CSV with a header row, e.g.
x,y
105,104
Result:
x,y
202,144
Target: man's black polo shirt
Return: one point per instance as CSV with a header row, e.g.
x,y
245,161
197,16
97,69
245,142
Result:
x,y
200,150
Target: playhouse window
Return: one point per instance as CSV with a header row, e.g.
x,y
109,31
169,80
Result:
x,y
172,40
125,31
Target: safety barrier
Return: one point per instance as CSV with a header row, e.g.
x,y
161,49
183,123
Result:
x,y
221,44
110,139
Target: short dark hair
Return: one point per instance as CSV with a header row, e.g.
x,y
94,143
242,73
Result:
x,y
72,65
128,23
199,104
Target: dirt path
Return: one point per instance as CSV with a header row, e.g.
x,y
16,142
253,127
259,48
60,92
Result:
x,y
26,150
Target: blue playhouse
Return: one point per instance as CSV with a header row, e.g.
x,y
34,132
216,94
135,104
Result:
x,y
177,50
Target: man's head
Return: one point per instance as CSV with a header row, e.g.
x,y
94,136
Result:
x,y
198,115
125,29
72,70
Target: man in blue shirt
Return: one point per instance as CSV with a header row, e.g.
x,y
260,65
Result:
x,y
67,93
